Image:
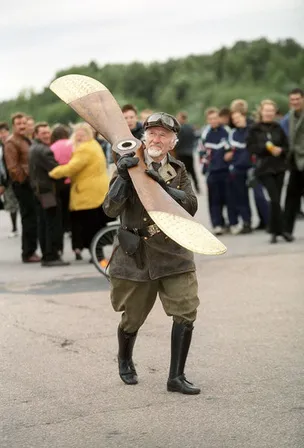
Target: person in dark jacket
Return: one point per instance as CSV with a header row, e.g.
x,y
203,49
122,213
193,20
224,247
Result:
x,y
156,264
295,188
262,205
215,145
41,161
184,149
268,142
130,113
225,118
239,163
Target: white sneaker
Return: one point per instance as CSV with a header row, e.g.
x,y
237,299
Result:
x,y
13,234
218,230
235,230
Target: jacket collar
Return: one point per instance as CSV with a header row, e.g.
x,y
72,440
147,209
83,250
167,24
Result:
x,y
17,137
168,170
295,126
168,166
173,161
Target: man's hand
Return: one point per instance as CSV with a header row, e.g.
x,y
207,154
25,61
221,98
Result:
x,y
126,162
228,156
177,195
276,151
2,190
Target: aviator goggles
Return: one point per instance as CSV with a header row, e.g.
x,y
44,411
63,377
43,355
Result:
x,y
164,120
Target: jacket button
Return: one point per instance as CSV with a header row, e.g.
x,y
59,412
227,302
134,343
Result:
x,y
178,187
145,237
168,182
145,219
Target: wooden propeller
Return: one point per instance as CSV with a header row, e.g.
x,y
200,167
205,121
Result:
x,y
97,106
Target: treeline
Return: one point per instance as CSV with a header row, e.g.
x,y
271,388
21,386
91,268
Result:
x,y
251,70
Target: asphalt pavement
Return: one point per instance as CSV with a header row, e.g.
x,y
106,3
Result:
x,y
59,386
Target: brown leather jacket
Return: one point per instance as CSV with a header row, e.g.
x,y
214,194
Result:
x,y
16,153
161,256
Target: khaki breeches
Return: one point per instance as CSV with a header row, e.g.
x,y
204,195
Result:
x,y
178,294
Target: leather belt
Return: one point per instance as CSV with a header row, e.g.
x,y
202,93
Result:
x,y
146,232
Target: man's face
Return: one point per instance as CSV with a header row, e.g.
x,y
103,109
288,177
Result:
x,y
4,133
296,101
238,119
20,126
213,120
159,141
181,118
131,118
224,120
30,126
44,135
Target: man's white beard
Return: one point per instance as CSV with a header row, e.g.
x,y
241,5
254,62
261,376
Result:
x,y
154,152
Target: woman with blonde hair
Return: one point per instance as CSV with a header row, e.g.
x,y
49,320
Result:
x,y
268,143
87,170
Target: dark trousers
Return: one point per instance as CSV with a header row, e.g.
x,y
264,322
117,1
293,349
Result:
x,y
28,212
238,192
218,197
261,203
295,190
85,224
273,184
189,164
50,231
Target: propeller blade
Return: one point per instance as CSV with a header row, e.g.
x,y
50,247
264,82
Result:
x,y
97,106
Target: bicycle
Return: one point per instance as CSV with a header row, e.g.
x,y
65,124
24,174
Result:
x,y
102,245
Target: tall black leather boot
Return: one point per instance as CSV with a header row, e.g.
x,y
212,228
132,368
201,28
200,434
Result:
x,y
126,367
180,342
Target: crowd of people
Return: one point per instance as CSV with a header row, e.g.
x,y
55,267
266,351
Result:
x,y
57,179
239,153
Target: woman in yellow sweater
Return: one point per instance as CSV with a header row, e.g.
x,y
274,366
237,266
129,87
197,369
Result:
x,y
87,170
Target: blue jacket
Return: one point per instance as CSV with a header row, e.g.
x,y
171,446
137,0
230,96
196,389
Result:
x,y
215,145
284,123
241,156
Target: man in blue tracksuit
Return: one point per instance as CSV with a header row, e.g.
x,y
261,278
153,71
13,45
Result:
x,y
239,163
215,145
262,205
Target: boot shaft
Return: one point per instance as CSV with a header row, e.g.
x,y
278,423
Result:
x,y
126,343
181,336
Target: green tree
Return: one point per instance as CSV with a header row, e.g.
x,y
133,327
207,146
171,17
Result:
x,y
251,70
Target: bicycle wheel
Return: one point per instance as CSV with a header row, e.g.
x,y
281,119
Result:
x,y
102,245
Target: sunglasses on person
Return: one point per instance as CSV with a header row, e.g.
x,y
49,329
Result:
x,y
164,120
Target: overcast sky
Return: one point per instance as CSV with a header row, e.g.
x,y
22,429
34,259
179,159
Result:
x,y
40,38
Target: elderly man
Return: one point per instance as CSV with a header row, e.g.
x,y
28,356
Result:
x,y
146,261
